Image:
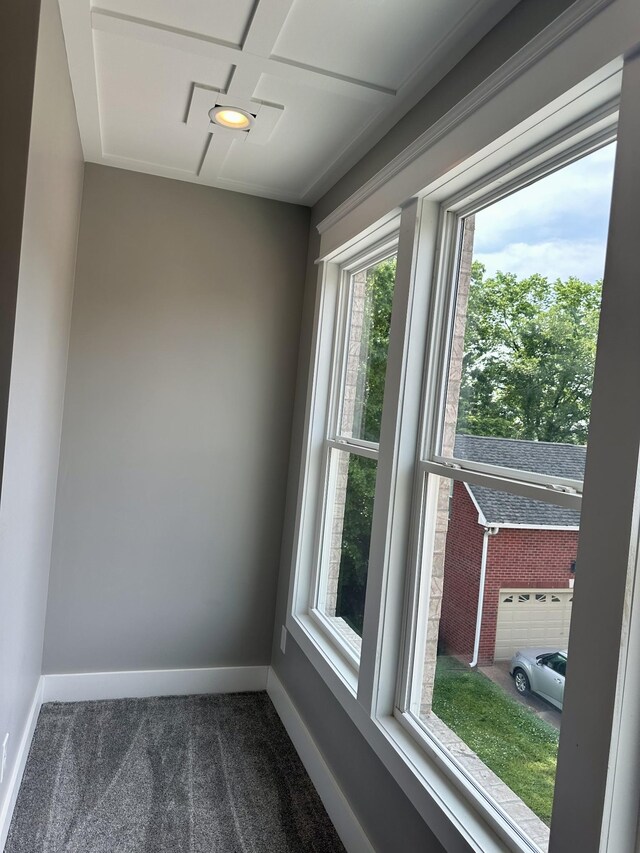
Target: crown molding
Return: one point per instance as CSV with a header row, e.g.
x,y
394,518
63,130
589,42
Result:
x,y
554,34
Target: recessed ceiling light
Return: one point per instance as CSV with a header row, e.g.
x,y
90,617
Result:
x,y
231,117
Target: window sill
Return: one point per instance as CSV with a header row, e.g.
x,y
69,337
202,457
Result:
x,y
452,808
337,665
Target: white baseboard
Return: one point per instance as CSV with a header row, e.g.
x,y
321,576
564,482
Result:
x,y
85,686
15,778
346,823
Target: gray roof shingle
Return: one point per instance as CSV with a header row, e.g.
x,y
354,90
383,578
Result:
x,y
561,460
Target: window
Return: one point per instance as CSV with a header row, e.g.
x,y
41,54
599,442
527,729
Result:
x,y
361,344
525,322
442,510
557,662
511,431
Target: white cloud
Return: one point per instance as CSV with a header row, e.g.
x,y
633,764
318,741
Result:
x,y
556,226
553,259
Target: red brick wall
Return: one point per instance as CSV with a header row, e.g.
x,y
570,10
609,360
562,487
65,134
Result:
x,y
463,556
523,558
516,558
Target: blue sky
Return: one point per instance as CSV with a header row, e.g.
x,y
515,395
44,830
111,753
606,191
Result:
x,y
556,227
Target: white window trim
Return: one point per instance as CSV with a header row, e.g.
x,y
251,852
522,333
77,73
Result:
x,y
331,337
559,491
450,814
456,469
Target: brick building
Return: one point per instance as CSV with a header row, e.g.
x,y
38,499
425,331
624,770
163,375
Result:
x,y
524,549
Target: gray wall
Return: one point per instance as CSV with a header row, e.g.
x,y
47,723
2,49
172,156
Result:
x,y
389,819
45,287
177,423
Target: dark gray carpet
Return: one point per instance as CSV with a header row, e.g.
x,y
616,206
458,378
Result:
x,y
195,774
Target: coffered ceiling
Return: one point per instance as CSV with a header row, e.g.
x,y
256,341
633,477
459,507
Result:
x,y
325,80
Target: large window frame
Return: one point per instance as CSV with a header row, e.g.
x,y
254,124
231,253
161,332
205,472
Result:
x,y
313,631
432,467
336,439
587,815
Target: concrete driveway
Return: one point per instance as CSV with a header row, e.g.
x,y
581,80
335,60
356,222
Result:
x,y
499,673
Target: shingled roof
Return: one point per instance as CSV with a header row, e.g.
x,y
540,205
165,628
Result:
x,y
542,457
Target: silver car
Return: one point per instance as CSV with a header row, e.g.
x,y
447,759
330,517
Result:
x,y
541,671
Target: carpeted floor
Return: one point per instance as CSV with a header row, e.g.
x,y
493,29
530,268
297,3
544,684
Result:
x,y
194,774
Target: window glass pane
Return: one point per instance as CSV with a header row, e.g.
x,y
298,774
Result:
x,y
352,482
490,678
526,321
367,346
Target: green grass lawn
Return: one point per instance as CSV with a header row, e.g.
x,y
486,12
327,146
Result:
x,y
519,747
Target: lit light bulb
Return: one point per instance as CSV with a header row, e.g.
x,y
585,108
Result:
x,y
231,117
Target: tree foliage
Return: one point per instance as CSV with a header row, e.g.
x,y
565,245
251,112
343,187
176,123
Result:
x,y
380,282
529,354
356,540
361,486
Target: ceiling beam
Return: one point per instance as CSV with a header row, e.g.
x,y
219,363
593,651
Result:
x,y
151,31
217,147
268,19
177,39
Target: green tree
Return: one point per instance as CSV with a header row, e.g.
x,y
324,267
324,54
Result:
x,y
529,356
380,282
356,540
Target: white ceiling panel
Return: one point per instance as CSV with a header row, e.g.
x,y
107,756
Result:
x,y
219,19
381,41
143,89
325,79
317,123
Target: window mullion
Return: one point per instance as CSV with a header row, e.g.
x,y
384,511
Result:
x,y
396,468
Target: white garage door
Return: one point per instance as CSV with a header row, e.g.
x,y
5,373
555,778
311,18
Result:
x,y
532,617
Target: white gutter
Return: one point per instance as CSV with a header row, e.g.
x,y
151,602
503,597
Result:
x,y
488,531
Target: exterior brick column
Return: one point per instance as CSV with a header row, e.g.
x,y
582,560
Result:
x,y
350,423
448,441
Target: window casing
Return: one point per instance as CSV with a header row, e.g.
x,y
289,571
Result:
x,y
379,701
438,468
350,447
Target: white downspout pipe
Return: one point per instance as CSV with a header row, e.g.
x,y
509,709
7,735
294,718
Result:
x,y
488,531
